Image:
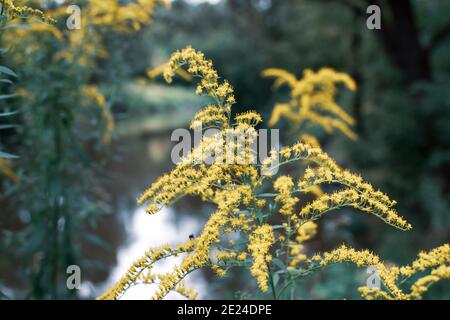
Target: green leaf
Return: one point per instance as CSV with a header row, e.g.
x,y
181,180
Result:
x,y
276,278
8,126
7,71
5,155
7,96
6,81
279,263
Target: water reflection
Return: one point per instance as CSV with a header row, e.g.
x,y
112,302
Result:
x,y
144,231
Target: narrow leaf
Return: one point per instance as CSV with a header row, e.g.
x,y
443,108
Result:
x,y
7,71
5,155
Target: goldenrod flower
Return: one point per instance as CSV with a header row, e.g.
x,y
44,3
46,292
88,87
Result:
x,y
260,242
313,100
14,10
234,188
199,66
5,168
391,276
284,185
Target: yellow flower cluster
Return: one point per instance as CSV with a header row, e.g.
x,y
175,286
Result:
x,y
189,293
393,277
211,116
313,100
13,11
200,256
363,259
421,286
124,17
250,118
259,245
5,168
426,260
305,232
155,72
352,198
283,185
144,263
199,66
358,193
222,181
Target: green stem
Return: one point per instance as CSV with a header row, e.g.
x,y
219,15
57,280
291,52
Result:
x,y
272,285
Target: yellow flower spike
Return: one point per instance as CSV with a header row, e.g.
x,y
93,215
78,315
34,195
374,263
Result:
x,y
5,168
283,185
426,260
157,71
241,256
251,118
138,268
123,17
420,287
312,96
364,258
211,115
14,11
198,66
351,198
437,259
260,242
186,292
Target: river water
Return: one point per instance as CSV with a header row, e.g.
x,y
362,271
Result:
x,y
146,231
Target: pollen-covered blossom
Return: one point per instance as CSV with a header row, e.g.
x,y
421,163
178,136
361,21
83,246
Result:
x,y
283,185
313,99
392,277
259,245
421,285
364,258
123,17
242,256
426,260
199,66
252,118
305,232
6,169
351,198
199,258
357,193
211,115
14,10
189,293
